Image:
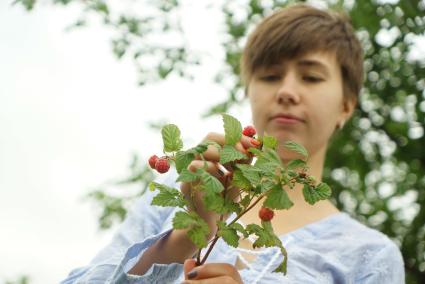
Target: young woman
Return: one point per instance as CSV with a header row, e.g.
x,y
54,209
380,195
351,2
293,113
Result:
x,y
302,69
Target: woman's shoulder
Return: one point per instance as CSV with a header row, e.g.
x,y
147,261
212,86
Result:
x,y
346,247
343,231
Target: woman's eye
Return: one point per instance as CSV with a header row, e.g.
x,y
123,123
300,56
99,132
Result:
x,y
312,79
270,78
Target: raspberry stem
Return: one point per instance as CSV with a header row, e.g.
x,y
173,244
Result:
x,y
233,221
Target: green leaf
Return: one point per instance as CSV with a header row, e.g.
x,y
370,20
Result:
x,y
167,196
230,154
296,148
183,159
229,236
320,192
184,220
187,176
232,129
209,182
265,166
283,265
268,160
231,206
270,142
267,184
240,181
324,190
198,228
171,138
265,239
296,164
250,173
238,227
255,151
198,236
202,147
214,202
245,201
278,199
272,156
267,225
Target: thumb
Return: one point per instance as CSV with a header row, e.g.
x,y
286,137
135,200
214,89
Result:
x,y
188,265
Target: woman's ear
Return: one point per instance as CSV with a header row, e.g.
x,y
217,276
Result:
x,y
349,105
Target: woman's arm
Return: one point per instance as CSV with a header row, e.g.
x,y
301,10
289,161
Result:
x,y
142,229
175,248
385,266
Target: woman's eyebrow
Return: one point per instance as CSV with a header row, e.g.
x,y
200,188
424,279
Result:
x,y
315,64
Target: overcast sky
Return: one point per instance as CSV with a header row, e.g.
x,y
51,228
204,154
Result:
x,y
70,117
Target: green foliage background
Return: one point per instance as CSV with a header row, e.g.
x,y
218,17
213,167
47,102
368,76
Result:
x,y
375,165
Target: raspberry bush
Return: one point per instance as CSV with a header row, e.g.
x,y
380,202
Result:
x,y
266,180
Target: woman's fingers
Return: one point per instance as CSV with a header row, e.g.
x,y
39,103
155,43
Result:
x,y
214,270
213,154
188,265
221,280
209,166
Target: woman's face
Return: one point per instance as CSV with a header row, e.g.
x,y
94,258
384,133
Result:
x,y
310,88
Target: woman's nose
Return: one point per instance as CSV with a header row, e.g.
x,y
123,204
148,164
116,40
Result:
x,y
287,92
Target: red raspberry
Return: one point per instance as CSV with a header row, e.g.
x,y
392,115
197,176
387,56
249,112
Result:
x,y
152,161
162,165
265,214
249,131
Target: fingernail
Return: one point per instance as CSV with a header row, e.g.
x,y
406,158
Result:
x,y
255,142
222,170
192,274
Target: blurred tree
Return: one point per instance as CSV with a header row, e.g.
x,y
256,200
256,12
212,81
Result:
x,y
378,174
19,280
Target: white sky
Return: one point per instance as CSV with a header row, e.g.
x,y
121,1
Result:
x,y
70,117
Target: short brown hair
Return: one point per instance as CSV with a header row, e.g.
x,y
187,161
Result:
x,y
298,29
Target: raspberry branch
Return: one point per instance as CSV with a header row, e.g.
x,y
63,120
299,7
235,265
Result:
x,y
266,180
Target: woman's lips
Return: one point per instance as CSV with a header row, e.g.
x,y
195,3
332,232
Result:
x,y
285,120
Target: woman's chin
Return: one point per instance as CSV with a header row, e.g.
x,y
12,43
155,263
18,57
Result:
x,y
287,155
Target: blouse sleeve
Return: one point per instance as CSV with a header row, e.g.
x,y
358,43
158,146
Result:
x,y
384,266
143,226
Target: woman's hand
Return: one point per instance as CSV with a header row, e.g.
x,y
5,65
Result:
x,y
210,273
212,157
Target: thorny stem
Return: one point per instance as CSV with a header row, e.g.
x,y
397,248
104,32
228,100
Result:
x,y
250,207
198,257
209,249
198,261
